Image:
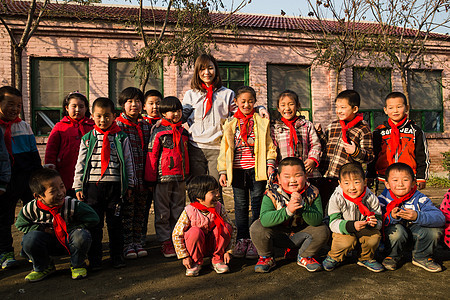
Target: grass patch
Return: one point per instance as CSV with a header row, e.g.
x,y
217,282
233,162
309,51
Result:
x,y
439,182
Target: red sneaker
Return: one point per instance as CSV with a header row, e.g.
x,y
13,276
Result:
x,y
264,264
167,249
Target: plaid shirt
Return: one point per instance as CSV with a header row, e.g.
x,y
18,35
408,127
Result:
x,y
334,156
308,142
139,154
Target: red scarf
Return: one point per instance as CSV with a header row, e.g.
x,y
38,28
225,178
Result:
x,y
346,127
293,138
397,202
394,141
301,191
138,126
358,201
244,130
8,134
217,218
176,134
78,123
208,98
106,147
59,225
151,120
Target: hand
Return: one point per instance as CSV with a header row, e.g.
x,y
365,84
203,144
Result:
x,y
394,212
310,165
295,202
223,180
264,113
188,262
408,214
80,196
350,148
227,258
360,225
318,127
270,171
50,166
372,221
421,185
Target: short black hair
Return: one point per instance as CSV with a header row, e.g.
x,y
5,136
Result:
x,y
200,185
130,93
40,176
103,102
153,93
169,103
75,95
396,95
290,94
351,169
352,97
291,161
399,166
9,90
245,89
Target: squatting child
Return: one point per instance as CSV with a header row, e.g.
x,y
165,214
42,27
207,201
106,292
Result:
x,y
204,228
355,216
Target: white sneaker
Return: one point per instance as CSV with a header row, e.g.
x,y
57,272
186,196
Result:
x,y
194,271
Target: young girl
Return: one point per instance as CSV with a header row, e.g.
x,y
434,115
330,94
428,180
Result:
x,y
64,140
204,228
138,131
246,152
294,136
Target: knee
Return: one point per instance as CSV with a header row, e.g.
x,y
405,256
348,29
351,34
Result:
x,y
33,239
321,234
427,233
194,234
396,233
259,232
80,237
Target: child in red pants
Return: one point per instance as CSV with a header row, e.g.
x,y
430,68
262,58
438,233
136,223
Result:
x,y
204,228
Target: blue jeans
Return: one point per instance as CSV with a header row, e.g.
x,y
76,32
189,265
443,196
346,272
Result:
x,y
245,185
424,240
39,245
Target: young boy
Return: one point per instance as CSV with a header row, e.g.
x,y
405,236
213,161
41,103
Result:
x,y
152,99
24,159
355,216
204,228
291,217
104,174
53,225
349,139
399,140
409,213
168,165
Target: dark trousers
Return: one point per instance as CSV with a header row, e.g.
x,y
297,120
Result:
x,y
326,188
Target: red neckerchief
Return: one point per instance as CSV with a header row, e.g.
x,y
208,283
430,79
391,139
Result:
x,y
346,127
79,123
106,147
397,202
59,225
151,120
138,126
293,138
301,191
176,134
394,141
358,201
245,118
8,134
208,98
217,218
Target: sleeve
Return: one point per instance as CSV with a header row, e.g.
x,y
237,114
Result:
x,y
337,223
53,146
271,149
187,106
376,208
313,214
315,149
86,217
364,151
151,164
24,224
79,167
422,155
227,219
129,163
232,107
270,216
221,159
429,215
182,225
5,164
371,167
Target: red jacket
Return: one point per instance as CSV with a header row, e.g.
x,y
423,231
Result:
x,y
63,145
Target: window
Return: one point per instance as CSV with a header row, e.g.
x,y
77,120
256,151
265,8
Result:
x,y
234,75
293,77
425,94
121,77
373,85
51,80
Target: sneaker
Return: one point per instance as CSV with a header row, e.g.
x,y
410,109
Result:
x,y
167,249
252,253
78,273
390,263
221,267
309,263
129,252
290,253
428,264
141,252
194,271
7,260
241,248
38,276
264,264
118,262
329,264
372,265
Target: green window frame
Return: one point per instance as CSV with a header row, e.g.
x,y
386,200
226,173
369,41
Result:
x,y
373,85
297,78
426,99
120,76
51,80
234,75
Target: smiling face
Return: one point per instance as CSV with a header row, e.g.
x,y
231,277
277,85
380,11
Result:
x,y
395,109
103,117
132,108
400,182
208,73
173,116
151,106
76,109
292,178
245,103
287,108
352,185
10,107
211,198
344,111
54,194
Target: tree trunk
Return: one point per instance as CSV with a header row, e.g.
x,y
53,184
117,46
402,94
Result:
x,y
405,85
18,76
144,81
